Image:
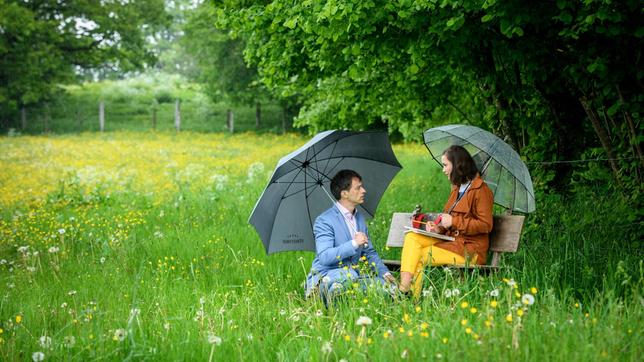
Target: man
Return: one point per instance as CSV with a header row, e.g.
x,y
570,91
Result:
x,y
343,250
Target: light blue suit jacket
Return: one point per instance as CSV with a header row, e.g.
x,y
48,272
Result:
x,y
333,245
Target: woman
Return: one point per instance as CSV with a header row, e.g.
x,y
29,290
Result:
x,y
467,216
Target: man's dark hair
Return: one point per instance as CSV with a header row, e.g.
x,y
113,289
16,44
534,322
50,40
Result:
x,y
342,181
463,167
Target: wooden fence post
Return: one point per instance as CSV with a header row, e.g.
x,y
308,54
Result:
x,y
230,120
155,105
46,118
258,114
101,116
177,115
23,118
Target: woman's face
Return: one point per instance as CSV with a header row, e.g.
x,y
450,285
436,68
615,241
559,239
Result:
x,y
447,166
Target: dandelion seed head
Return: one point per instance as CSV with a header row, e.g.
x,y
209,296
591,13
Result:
x,y
119,335
363,321
527,299
44,342
37,356
327,347
213,339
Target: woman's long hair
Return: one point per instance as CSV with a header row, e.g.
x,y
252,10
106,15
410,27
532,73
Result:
x,y
463,167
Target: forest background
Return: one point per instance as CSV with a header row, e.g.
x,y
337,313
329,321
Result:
x,y
560,81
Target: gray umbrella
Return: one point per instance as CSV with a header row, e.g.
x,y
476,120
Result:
x,y
298,190
500,165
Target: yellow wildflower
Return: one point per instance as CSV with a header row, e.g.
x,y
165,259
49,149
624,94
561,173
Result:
x,y
464,322
520,312
493,303
533,290
508,317
445,340
424,325
468,330
473,310
464,305
347,338
18,318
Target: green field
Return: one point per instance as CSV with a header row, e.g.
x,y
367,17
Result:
x,y
136,246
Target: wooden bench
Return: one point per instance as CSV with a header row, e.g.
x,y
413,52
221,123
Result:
x,y
504,238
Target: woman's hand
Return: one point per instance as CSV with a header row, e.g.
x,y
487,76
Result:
x,y
446,220
430,226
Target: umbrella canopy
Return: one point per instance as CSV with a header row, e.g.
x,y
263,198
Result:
x,y
500,165
298,190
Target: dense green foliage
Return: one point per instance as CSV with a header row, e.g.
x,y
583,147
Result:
x,y
560,81
43,43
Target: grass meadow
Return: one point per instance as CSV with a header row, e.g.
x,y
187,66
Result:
x,y
136,246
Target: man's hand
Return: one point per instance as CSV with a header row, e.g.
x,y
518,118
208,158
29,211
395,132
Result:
x,y
361,239
390,278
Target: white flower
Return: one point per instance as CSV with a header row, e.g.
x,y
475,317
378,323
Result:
x,y
61,231
202,300
71,292
158,234
44,341
3,261
37,356
326,280
456,292
249,337
31,269
119,335
318,313
69,341
54,249
404,354
134,312
363,321
213,339
494,293
199,315
447,293
23,250
327,347
527,299
166,326
64,305
102,260
282,312
511,283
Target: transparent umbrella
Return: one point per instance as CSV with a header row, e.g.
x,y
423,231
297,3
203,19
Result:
x,y
500,165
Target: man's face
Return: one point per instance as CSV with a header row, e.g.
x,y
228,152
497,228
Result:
x,y
356,193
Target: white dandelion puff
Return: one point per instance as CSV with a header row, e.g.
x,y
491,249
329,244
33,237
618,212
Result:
x,y
213,339
527,299
119,335
37,356
363,321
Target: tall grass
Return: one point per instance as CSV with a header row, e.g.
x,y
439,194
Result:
x,y
138,247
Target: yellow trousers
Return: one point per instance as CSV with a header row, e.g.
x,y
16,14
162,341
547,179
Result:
x,y
416,253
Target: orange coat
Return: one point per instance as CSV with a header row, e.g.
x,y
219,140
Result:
x,y
471,221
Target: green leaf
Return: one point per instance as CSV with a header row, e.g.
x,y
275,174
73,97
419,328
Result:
x,y
413,69
291,23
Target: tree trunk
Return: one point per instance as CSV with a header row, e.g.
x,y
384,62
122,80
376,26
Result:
x,y
603,136
258,114
631,127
